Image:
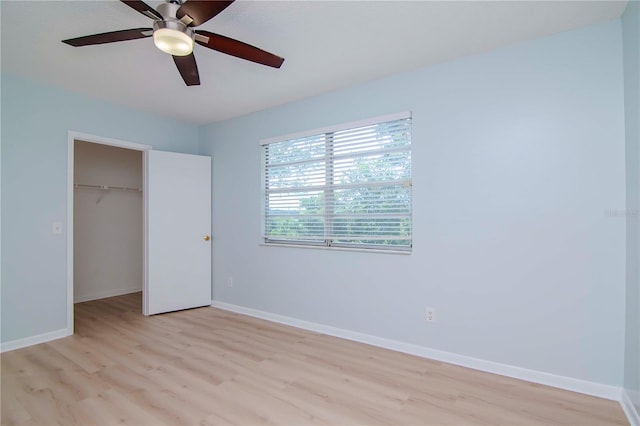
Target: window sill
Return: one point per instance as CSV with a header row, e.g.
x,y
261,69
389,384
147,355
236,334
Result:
x,y
362,250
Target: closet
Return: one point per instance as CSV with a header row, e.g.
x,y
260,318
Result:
x,y
107,221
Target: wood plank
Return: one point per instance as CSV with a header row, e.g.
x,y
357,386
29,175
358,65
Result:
x,y
211,367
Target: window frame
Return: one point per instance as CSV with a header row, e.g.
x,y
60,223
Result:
x,y
326,242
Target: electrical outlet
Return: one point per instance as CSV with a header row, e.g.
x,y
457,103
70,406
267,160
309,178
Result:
x,y
431,315
230,282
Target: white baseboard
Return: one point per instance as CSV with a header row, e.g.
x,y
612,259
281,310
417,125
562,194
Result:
x,y
103,294
629,409
562,382
34,340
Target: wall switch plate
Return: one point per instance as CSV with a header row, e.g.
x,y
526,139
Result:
x,y
57,228
230,282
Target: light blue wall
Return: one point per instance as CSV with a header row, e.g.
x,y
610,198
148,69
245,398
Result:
x,y
35,121
517,155
631,49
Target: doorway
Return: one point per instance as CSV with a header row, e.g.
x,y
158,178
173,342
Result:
x,y
108,221
105,218
176,226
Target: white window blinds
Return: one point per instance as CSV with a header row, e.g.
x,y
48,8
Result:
x,y
347,186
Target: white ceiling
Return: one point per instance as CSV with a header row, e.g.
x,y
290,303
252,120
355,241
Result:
x,y
326,45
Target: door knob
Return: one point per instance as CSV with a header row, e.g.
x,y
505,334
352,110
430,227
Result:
x,y
207,238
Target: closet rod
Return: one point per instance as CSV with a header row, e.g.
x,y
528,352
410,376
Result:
x,y
106,187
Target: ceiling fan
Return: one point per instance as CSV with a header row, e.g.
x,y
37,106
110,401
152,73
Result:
x,y
173,33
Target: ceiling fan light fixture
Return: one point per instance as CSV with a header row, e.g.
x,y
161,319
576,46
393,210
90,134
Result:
x,y
173,33
173,38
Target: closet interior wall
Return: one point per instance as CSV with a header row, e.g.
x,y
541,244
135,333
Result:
x,y
108,221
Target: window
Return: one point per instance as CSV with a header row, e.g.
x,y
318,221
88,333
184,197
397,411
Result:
x,y
346,186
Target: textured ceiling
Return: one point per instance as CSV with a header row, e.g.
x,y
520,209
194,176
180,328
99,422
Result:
x,y
326,45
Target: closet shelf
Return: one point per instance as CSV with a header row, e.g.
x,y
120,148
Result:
x,y
106,187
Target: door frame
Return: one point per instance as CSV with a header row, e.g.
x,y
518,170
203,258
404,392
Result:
x,y
72,136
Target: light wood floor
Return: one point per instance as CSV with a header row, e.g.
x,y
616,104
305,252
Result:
x,y
207,366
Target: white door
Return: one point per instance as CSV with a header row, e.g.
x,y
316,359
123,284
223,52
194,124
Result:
x,y
178,226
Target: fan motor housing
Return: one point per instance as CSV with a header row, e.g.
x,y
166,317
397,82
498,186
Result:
x,y
168,10
176,25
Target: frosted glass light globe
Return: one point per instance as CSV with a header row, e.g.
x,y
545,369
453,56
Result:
x,y
173,42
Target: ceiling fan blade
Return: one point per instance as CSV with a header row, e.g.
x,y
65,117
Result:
x,y
110,37
143,8
200,11
238,49
188,69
